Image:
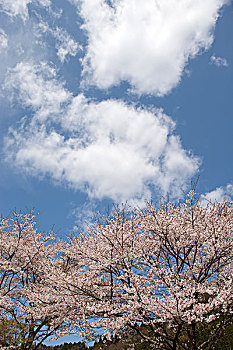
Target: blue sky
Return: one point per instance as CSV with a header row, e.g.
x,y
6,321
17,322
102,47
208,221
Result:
x,y
110,101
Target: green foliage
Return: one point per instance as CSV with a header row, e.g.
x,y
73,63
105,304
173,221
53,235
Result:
x,y
13,331
226,340
223,342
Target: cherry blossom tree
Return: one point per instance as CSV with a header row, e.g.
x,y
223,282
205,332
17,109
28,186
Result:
x,y
165,272
28,264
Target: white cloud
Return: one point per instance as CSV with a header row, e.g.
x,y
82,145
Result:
x,y
107,149
220,194
23,44
3,40
36,87
65,45
219,61
20,7
147,43
84,216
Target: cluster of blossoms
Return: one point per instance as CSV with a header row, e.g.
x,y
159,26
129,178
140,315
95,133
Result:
x,y
28,266
164,272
